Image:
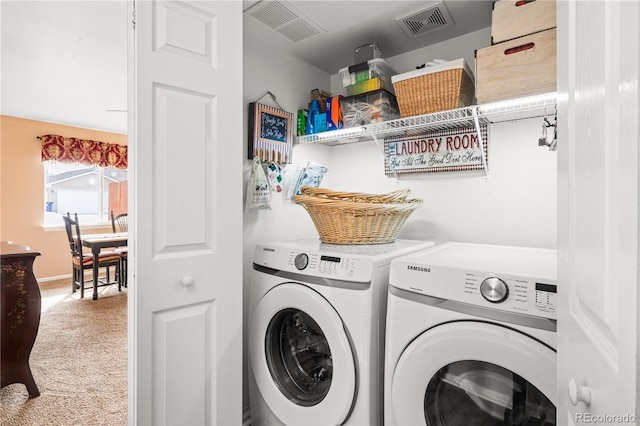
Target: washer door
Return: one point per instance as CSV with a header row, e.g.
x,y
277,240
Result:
x,y
301,357
474,373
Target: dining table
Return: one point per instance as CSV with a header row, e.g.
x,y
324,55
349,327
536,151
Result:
x,y
97,242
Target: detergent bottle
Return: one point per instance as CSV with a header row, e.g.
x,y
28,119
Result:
x,y
314,109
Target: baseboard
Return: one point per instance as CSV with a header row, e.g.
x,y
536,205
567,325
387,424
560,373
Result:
x,y
88,274
246,416
56,278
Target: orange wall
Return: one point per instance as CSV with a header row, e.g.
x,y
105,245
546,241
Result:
x,y
22,190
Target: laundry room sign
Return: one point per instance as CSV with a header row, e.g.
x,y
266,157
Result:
x,y
441,151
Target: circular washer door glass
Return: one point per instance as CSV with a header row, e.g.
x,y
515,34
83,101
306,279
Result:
x,y
469,393
298,357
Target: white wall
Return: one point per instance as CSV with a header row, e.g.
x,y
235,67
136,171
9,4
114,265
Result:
x,y
265,68
515,204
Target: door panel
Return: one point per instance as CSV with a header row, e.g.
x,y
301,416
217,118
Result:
x,y
172,346
597,210
186,324
182,170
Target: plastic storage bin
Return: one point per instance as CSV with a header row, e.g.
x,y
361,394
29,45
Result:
x,y
374,68
367,108
436,88
369,85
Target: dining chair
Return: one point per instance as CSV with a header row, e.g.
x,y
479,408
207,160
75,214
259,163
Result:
x,y
119,223
81,261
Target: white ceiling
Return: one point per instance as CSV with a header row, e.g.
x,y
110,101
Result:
x,y
66,61
354,23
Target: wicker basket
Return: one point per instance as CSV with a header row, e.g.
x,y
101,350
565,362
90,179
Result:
x,y
396,196
433,91
352,222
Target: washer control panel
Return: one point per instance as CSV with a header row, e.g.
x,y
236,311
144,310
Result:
x,y
312,263
336,267
301,261
353,263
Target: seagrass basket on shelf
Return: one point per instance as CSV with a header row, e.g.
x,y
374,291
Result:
x,y
440,88
357,218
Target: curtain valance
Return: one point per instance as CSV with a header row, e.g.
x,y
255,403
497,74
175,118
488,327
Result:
x,y
84,151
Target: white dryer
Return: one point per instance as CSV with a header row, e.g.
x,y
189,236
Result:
x,y
471,337
316,331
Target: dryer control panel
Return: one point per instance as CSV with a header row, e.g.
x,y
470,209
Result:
x,y
516,294
513,279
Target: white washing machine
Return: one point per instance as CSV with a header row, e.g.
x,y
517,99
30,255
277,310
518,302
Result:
x,y
471,337
316,331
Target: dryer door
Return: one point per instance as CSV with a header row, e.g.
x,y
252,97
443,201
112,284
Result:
x,y
475,373
301,357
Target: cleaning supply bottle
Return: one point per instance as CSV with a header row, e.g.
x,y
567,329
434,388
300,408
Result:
x,y
314,109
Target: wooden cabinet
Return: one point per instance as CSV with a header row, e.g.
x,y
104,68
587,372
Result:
x,y
20,314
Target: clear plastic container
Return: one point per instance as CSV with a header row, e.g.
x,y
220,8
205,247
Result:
x,y
376,68
368,108
369,85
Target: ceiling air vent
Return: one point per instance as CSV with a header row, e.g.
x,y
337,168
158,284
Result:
x,y
432,17
283,18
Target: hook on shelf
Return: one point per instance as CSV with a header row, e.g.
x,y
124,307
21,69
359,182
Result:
x,y
544,140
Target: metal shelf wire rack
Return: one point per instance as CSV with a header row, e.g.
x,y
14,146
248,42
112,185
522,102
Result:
x,y
497,112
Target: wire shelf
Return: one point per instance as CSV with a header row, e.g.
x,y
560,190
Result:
x,y
497,112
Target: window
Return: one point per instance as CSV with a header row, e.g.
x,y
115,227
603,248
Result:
x,y
77,188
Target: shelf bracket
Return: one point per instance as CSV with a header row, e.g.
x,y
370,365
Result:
x,y
482,142
381,147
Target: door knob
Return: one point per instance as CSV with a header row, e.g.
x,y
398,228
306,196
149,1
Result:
x,y
187,280
579,393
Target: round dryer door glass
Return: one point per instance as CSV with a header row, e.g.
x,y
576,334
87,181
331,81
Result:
x,y
468,393
298,357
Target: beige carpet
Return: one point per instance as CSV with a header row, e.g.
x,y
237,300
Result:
x,y
79,362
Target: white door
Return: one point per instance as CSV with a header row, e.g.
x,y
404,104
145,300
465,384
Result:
x,y
598,211
186,170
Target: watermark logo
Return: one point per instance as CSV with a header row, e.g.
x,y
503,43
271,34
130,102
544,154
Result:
x,y
605,419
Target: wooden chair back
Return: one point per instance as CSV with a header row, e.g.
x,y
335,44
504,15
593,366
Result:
x,y
119,223
73,234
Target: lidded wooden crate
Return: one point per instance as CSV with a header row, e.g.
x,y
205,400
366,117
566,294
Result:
x,y
520,67
516,18
441,87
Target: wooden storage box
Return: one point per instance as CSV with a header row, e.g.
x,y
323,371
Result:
x,y
521,67
512,19
436,88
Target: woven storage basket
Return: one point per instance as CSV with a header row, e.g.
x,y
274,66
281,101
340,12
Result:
x,y
396,196
426,92
351,222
